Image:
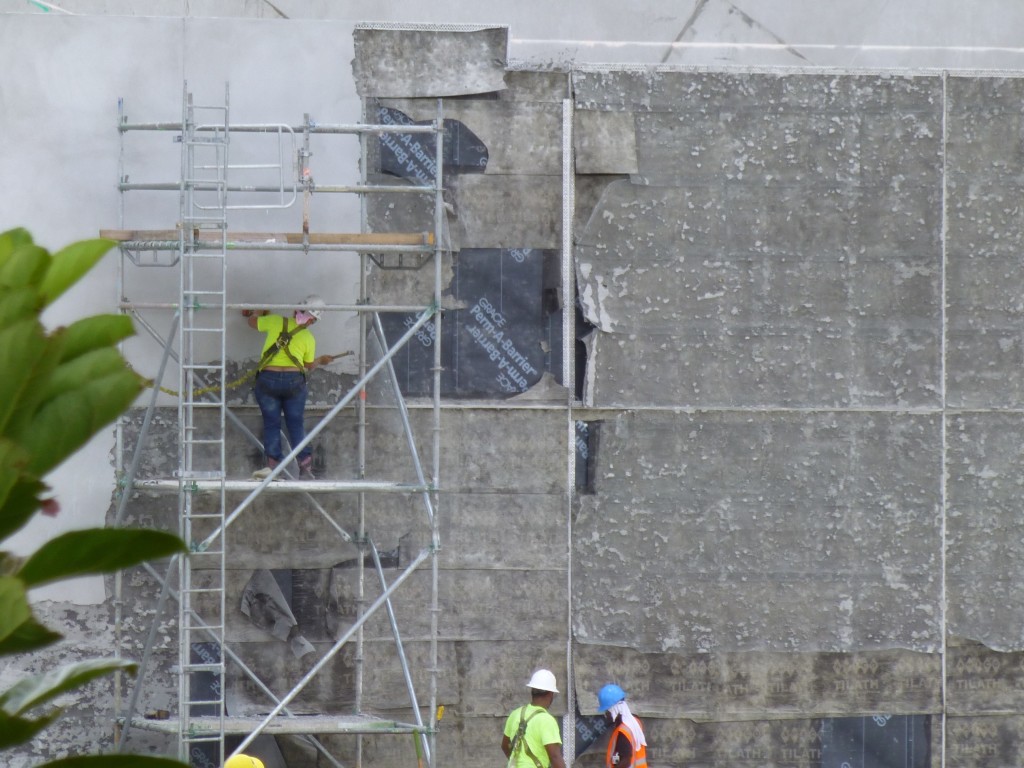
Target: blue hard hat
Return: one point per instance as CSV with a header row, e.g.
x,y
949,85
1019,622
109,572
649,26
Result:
x,y
609,696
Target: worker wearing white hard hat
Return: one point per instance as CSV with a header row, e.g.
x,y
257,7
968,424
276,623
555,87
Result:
x,y
289,353
531,738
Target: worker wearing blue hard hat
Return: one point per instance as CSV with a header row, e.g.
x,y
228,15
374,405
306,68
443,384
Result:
x,y
627,744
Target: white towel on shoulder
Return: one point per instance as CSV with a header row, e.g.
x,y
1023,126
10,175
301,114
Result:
x,y
622,709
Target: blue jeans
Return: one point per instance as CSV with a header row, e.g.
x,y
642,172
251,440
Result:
x,y
282,393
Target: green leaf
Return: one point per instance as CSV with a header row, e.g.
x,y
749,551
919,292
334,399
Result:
x,y
93,333
115,761
66,423
30,692
22,346
30,636
26,266
19,421
11,239
96,550
18,730
81,370
19,303
14,610
20,504
13,460
70,263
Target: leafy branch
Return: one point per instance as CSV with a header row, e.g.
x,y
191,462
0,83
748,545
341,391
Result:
x,y
59,388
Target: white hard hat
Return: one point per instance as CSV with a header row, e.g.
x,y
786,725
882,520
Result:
x,y
313,305
543,680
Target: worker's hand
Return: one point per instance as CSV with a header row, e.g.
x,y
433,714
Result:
x,y
246,313
324,359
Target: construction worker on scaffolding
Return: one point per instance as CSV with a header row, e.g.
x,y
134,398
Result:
x,y
627,745
532,738
288,356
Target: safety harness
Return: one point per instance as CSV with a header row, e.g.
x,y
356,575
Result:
x,y
519,739
281,344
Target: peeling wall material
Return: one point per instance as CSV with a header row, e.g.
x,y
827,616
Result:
x,y
779,245
761,532
605,142
409,62
713,298
802,447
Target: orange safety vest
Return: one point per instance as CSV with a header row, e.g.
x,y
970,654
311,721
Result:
x,y
639,753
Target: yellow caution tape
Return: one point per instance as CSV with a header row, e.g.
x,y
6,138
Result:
x,y
230,385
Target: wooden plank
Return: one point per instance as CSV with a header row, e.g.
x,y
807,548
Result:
x,y
290,238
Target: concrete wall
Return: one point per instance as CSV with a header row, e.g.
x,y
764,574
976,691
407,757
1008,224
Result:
x,y
801,382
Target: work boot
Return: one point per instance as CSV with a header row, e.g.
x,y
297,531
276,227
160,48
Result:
x,y
263,474
306,469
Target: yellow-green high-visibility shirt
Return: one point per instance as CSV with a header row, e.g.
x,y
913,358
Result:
x,y
541,730
303,346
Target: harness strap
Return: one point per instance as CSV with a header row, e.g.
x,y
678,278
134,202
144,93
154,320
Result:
x,y
281,344
519,740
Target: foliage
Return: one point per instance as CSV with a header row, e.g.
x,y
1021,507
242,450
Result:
x,y
58,389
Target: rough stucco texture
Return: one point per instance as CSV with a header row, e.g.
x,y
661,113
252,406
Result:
x,y
781,276
429,62
761,531
780,246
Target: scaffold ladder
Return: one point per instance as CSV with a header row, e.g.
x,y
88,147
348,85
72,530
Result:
x,y
203,722
201,418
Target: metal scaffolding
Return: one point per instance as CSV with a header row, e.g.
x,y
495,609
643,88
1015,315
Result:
x,y
211,191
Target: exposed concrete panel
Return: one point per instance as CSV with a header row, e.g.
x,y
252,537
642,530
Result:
x,y
509,211
709,532
589,189
405,212
485,451
257,537
409,63
524,85
626,89
862,144
986,464
605,142
806,297
698,264
482,211
984,294
479,530
480,679
461,619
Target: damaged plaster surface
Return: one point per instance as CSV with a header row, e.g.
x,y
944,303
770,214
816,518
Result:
x,y
779,245
803,389
710,532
